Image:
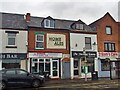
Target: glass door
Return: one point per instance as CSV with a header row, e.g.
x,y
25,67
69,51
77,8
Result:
x,y
76,67
55,69
34,65
47,69
41,67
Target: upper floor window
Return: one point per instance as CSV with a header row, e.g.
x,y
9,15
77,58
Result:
x,y
12,39
87,42
39,41
109,46
79,26
49,23
108,30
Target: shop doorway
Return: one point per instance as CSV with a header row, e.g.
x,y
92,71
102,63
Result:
x,y
45,66
55,68
115,69
66,70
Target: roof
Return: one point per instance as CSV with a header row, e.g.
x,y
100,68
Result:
x,y
12,21
17,21
59,23
94,24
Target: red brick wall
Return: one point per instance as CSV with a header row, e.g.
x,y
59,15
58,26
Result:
x,y
31,40
107,21
119,36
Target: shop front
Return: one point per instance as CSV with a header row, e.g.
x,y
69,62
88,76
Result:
x,y
13,60
115,69
106,63
78,63
45,63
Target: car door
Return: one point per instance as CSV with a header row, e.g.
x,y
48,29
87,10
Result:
x,y
23,77
10,75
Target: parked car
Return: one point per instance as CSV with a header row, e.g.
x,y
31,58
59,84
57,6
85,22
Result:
x,y
19,77
43,74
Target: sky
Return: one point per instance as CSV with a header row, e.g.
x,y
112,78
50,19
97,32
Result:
x,y
87,11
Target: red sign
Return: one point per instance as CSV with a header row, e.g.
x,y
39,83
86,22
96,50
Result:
x,y
108,54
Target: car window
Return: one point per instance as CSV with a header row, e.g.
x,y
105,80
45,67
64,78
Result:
x,y
21,72
10,72
1,72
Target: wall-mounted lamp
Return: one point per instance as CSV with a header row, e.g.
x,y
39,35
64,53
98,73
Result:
x,y
94,43
76,45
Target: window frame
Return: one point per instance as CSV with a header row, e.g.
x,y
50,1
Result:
x,y
11,37
49,23
88,43
78,26
109,46
39,41
108,32
103,64
76,69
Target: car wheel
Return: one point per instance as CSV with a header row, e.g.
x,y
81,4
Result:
x,y
36,83
2,85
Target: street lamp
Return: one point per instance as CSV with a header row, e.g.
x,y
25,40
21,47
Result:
x,y
85,64
84,53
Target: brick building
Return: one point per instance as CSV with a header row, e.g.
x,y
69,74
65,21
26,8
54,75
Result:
x,y
48,45
108,45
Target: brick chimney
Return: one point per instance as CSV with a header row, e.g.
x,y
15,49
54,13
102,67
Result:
x,y
27,17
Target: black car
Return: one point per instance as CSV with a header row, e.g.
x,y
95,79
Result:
x,y
19,77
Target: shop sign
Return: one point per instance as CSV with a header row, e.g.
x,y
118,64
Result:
x,y
56,41
80,54
45,55
108,54
13,56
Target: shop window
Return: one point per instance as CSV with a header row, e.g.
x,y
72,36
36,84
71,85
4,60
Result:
x,y
39,41
35,60
87,42
41,67
109,46
47,67
105,65
41,60
90,64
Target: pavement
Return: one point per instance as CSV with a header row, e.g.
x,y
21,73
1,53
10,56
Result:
x,y
81,84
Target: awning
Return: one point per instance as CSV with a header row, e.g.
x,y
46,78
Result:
x,y
109,59
66,59
11,61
